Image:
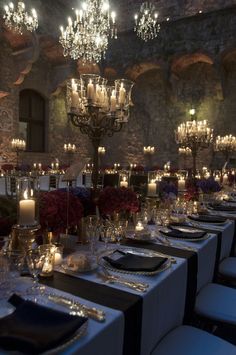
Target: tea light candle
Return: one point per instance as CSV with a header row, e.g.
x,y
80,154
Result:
x,y
139,227
152,188
26,211
47,267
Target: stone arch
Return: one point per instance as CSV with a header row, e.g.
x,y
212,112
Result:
x,y
136,70
228,57
182,62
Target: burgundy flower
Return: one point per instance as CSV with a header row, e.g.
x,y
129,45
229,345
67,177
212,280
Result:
x,y
53,210
113,199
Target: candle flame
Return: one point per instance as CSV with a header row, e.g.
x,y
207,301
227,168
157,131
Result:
x,y
25,194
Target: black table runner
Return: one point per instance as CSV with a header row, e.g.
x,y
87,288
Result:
x,y
192,270
130,304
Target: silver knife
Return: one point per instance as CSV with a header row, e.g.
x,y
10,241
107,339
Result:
x,y
90,312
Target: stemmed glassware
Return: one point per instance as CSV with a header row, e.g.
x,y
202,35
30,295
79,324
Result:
x,y
93,233
36,261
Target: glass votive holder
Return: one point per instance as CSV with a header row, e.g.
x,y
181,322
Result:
x,y
58,256
47,251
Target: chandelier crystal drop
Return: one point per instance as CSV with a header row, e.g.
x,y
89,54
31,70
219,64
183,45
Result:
x,y
86,36
146,22
17,19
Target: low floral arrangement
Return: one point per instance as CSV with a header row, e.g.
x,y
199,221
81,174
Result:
x,y
168,190
85,197
53,210
208,186
118,200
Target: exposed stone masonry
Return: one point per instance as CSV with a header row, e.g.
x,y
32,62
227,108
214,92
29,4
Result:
x,y
192,63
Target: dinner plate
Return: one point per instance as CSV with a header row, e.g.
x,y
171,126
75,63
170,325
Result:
x,y
209,221
74,338
139,252
196,240
140,237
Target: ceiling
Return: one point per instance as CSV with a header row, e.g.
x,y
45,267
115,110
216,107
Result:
x,y
54,13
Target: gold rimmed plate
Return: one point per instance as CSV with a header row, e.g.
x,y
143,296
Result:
x,y
138,252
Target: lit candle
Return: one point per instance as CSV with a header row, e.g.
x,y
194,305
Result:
x,y
124,182
139,227
113,101
90,90
122,94
225,179
152,188
181,184
26,211
57,258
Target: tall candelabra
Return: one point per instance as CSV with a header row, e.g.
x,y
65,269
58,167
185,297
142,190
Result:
x,y
195,135
98,110
226,145
69,150
148,151
18,146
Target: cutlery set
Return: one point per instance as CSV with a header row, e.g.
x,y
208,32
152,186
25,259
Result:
x,y
77,308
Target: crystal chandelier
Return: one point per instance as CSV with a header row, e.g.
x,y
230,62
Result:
x,y
19,20
195,135
86,37
146,25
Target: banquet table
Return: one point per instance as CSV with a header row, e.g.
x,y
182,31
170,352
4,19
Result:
x,y
148,316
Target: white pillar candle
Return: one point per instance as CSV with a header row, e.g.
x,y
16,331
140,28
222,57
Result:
x,y
124,182
152,188
27,212
113,101
90,91
57,258
225,179
122,94
181,184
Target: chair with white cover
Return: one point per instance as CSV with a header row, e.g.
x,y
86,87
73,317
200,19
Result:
x,y
227,270
186,340
217,304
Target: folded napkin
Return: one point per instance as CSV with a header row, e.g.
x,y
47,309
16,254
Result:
x,y
32,328
174,233
207,218
131,262
223,208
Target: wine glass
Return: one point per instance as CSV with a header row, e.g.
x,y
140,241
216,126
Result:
x,y
36,263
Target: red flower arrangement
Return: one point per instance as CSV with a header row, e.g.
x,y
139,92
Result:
x,y
113,199
53,210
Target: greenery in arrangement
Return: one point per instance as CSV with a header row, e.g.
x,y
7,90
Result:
x,y
8,213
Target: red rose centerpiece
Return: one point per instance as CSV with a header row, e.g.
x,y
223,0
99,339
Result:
x,y
53,210
116,200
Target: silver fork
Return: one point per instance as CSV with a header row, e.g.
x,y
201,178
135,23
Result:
x,y
108,277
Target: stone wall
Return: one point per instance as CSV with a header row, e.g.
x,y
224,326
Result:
x,y
192,64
